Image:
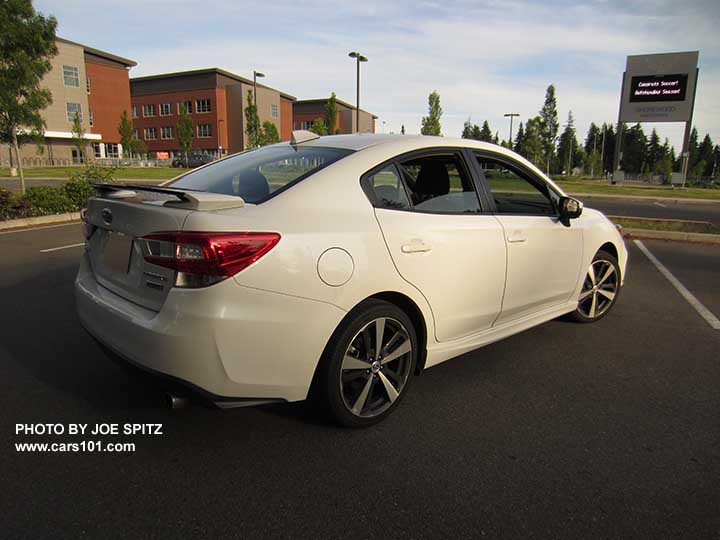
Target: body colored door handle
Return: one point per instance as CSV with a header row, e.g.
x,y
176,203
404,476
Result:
x,y
516,238
415,247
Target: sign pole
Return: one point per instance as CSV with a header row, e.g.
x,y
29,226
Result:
x,y
618,133
688,129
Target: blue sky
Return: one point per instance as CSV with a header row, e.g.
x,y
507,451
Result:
x,y
484,58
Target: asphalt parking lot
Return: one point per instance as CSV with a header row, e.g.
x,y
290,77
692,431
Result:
x,y
609,430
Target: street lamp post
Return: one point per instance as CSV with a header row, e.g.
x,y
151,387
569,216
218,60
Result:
x,y
256,75
602,150
511,115
359,58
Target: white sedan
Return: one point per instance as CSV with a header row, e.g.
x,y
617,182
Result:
x,y
339,266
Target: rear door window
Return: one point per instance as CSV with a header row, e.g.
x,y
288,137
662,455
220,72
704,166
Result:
x,y
258,174
440,183
388,190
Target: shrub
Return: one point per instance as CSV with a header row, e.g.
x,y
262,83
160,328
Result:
x,y
6,204
94,174
78,192
79,188
12,207
46,200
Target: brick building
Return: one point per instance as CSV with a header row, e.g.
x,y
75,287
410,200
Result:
x,y
95,85
215,100
307,110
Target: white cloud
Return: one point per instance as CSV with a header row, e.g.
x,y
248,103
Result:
x,y
484,59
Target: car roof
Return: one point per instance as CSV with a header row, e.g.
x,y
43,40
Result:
x,y
360,141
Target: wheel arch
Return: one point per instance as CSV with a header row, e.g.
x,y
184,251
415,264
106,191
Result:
x,y
413,311
612,249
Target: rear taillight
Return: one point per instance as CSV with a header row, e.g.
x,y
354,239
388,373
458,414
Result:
x,y
204,258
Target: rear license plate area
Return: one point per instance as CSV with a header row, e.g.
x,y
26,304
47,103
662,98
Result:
x,y
116,252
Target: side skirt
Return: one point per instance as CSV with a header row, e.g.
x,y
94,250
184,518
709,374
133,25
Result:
x,y
440,352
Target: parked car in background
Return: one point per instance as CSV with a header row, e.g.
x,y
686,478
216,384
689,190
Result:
x,y
340,265
194,159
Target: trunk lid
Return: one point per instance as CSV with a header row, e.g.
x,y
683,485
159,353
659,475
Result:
x,y
119,215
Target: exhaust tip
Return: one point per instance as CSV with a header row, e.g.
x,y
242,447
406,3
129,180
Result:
x,y
173,401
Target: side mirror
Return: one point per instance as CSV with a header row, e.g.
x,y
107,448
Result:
x,y
569,209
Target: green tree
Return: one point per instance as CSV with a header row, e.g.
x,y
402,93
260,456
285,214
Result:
x,y
253,129
593,143
318,126
593,139
431,122
185,132
532,148
706,156
270,133
27,43
486,133
78,138
635,144
519,138
568,146
125,130
467,129
654,151
331,114
609,147
549,126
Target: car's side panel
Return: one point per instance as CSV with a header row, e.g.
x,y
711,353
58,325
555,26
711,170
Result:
x,y
456,261
543,267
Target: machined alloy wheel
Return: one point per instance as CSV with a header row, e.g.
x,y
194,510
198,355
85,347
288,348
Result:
x,y
368,364
375,367
600,288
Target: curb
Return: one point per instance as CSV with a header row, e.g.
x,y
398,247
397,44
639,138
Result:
x,y
700,238
27,223
645,198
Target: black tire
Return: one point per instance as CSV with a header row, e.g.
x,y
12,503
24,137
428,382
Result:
x,y
598,292
335,383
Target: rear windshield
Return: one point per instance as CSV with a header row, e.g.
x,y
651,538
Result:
x,y
257,175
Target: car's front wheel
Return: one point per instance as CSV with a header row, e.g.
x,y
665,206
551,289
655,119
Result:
x,y
600,289
368,364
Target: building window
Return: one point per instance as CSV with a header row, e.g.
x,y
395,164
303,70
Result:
x,y
71,75
166,132
136,134
274,110
134,111
87,84
203,106
150,134
112,150
204,130
188,106
72,110
97,151
165,109
306,125
91,119
149,110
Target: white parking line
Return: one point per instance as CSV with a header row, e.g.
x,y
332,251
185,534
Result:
x,y
38,228
61,247
659,204
704,312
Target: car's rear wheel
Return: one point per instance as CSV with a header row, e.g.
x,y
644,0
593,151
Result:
x,y
368,364
600,289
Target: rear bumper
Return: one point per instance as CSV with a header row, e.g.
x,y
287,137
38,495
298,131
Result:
x,y
228,340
